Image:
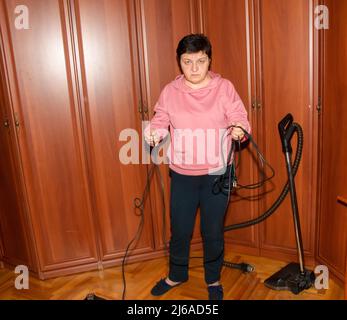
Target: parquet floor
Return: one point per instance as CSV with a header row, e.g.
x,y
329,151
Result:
x,y
140,277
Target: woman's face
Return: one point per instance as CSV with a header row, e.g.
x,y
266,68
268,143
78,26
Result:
x,y
195,67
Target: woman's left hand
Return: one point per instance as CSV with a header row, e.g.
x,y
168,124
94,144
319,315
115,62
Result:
x,y
237,133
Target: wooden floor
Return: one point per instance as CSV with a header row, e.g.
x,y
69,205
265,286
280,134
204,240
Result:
x,y
142,276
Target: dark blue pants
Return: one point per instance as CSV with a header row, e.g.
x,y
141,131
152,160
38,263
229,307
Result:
x,y
187,193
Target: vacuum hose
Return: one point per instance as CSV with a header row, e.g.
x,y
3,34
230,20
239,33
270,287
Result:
x,y
284,192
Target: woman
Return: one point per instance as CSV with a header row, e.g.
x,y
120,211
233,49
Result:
x,y
203,104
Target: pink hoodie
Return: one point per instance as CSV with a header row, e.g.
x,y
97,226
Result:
x,y
197,118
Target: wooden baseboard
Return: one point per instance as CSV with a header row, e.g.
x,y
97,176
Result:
x,y
287,256
290,256
238,248
45,275
310,262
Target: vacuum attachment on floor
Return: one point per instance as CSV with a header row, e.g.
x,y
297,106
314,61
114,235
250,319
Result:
x,y
290,278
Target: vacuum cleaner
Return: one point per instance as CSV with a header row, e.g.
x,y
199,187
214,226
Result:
x,y
293,277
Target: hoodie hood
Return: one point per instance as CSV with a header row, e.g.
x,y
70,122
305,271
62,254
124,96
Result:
x,y
179,83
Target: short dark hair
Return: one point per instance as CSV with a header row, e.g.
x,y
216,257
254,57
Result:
x,y
193,43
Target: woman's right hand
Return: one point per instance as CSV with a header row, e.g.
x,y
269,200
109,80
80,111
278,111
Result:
x,y
152,137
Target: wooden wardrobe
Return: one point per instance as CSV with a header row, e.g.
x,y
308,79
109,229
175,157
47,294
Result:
x,y
85,70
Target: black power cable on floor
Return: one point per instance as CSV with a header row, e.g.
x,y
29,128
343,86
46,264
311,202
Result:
x,y
139,206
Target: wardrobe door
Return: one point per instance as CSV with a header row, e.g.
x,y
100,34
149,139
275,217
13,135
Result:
x,y
15,241
229,26
287,87
42,79
162,23
110,95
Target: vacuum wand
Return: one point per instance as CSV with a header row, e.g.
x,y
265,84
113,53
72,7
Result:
x,y
294,202
286,131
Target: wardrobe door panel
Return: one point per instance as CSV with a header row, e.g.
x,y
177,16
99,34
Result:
x,y
111,101
228,24
14,240
163,23
49,133
287,88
